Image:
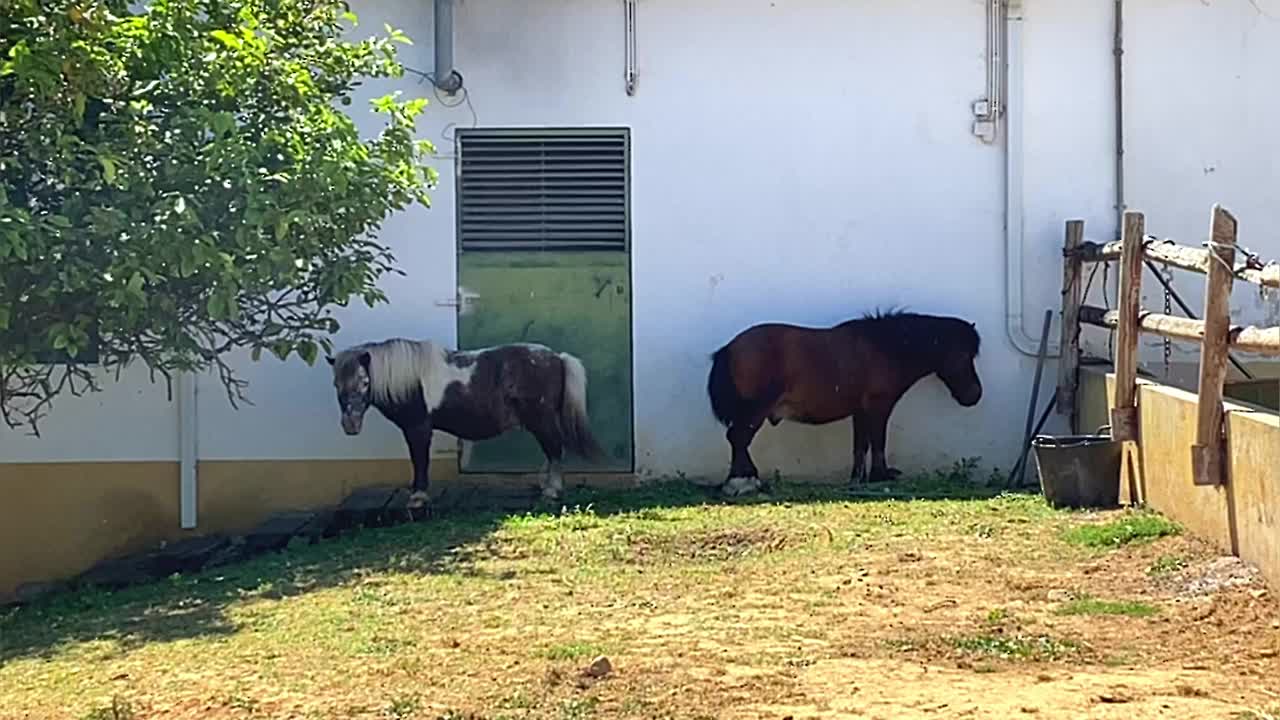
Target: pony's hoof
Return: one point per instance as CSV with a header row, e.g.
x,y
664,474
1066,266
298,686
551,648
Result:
x,y
885,475
739,486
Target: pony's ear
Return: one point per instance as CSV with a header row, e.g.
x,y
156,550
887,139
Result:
x,y
329,359
365,360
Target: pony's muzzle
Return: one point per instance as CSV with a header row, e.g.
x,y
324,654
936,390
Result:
x,y
351,424
969,396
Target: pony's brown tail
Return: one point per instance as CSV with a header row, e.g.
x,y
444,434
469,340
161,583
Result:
x,y
726,401
575,426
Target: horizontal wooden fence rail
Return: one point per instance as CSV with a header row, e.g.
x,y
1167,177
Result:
x,y
1264,341
1215,334
1167,252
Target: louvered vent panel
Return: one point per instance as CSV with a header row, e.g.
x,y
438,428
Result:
x,y
543,189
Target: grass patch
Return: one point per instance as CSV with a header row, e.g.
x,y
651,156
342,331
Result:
x,y
572,651
1093,606
1134,528
119,709
578,708
1271,714
404,707
1015,647
997,616
1166,565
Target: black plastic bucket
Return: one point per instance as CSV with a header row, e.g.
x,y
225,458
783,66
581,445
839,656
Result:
x,y
1079,471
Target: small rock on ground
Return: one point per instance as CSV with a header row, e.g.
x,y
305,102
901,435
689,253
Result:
x,y
599,667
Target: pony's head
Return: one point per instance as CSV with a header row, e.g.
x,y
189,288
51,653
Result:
x,y
354,386
956,361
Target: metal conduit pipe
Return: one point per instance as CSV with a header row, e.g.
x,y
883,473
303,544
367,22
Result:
x,y
1014,209
1013,187
1117,49
444,76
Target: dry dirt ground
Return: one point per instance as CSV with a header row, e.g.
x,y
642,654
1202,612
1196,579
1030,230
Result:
x,y
809,604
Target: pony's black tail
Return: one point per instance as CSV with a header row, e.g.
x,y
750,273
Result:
x,y
575,426
726,401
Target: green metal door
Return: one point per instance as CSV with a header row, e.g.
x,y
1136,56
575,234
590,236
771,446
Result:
x,y
544,257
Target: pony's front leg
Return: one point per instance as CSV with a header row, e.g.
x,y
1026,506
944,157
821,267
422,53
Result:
x,y
861,443
880,470
418,438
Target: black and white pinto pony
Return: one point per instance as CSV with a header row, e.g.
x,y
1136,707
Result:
x,y
473,395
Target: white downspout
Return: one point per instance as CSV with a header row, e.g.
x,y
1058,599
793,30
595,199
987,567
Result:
x,y
187,450
1013,224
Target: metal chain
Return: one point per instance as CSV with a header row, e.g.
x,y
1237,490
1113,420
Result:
x,y
1168,310
1106,305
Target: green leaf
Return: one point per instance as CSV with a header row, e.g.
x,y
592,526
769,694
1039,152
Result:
x,y
256,353
216,307
108,169
4,318
59,221
226,38
307,350
222,123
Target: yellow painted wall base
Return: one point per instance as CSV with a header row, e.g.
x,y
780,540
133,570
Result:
x,y
59,519
1242,515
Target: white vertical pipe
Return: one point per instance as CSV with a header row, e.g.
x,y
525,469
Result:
x,y
187,450
1014,208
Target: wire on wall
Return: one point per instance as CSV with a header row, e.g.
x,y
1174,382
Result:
x,y
445,134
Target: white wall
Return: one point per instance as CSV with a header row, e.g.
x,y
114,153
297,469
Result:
x,y
129,420
1202,113
799,161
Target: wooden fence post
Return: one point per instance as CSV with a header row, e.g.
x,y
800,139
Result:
x,y
1069,363
1124,417
1207,453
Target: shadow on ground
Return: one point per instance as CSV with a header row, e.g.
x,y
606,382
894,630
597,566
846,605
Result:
x,y
196,605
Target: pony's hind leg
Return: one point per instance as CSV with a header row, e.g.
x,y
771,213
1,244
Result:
x,y
744,477
553,480
547,432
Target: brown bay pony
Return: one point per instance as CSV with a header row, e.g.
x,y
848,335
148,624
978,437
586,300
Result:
x,y
858,369
470,394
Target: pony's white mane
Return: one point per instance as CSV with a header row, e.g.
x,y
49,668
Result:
x,y
398,367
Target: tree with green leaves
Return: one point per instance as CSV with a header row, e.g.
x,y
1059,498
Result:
x,y
181,182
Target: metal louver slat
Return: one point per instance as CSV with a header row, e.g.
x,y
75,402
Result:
x,y
543,189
